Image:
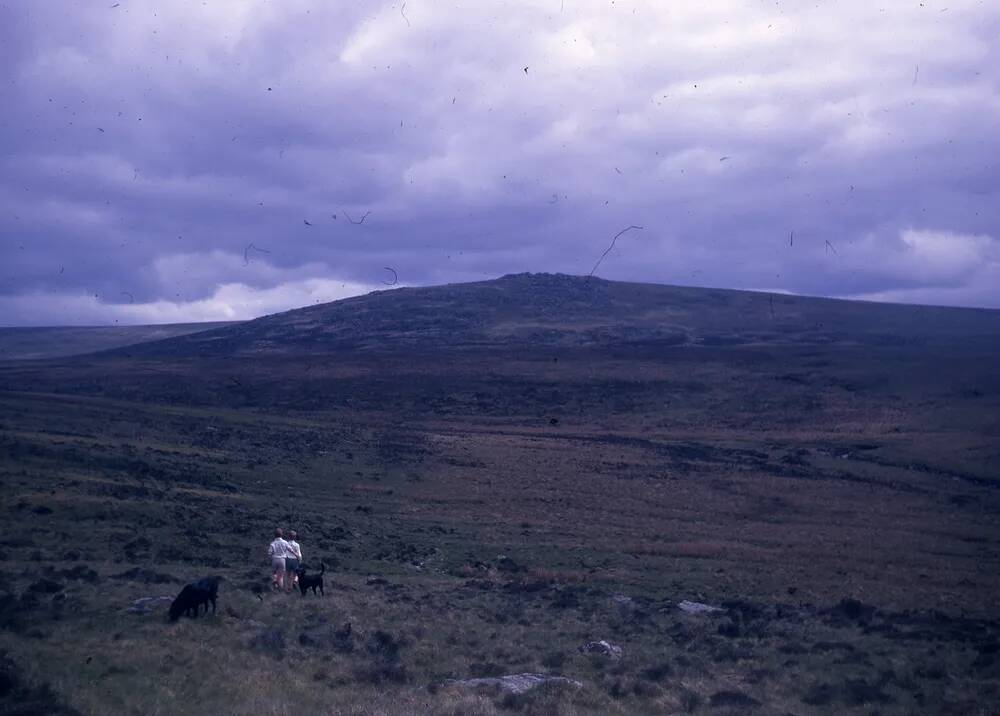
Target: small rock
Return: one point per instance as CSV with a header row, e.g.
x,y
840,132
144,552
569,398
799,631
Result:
x,y
697,608
513,683
145,605
604,648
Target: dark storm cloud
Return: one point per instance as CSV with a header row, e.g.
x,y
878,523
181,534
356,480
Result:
x,y
144,147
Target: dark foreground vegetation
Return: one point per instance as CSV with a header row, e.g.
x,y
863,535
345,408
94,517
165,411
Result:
x,y
485,512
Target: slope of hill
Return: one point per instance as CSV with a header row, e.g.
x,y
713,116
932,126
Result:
x,y
498,475
62,341
556,310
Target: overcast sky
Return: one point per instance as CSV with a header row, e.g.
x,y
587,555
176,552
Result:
x,y
174,160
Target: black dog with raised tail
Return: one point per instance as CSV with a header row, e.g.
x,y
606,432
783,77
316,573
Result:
x,y
311,581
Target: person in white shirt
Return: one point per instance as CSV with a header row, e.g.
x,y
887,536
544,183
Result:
x,y
278,551
294,559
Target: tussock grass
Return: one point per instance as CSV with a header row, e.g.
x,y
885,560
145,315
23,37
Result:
x,y
489,543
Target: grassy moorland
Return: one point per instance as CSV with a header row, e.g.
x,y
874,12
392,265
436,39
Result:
x,y
492,489
58,342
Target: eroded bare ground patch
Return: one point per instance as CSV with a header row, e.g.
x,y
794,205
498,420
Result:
x,y
854,560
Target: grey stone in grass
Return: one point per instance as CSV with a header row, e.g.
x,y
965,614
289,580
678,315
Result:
x,y
514,683
145,605
604,648
697,608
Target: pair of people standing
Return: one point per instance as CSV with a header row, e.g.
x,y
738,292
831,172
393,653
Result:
x,y
286,557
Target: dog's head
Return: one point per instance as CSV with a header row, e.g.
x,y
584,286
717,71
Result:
x,y
176,609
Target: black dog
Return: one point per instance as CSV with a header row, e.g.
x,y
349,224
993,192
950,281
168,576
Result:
x,y
204,591
307,581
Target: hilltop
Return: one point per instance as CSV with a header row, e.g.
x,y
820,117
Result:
x,y
556,310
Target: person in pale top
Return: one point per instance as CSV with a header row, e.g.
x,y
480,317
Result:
x,y
294,559
278,551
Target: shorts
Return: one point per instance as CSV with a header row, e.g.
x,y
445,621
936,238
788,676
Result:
x,y
278,564
291,564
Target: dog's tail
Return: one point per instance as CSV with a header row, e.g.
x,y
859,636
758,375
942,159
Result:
x,y
322,568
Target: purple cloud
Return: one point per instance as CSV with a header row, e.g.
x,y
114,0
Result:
x,y
145,147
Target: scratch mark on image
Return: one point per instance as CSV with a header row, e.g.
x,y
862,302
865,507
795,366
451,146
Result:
x,y
829,247
361,221
131,298
402,11
608,250
395,276
248,249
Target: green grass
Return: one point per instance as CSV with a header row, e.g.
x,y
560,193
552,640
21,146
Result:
x,y
476,538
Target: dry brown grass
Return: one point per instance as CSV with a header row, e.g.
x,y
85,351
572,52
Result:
x,y
703,500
